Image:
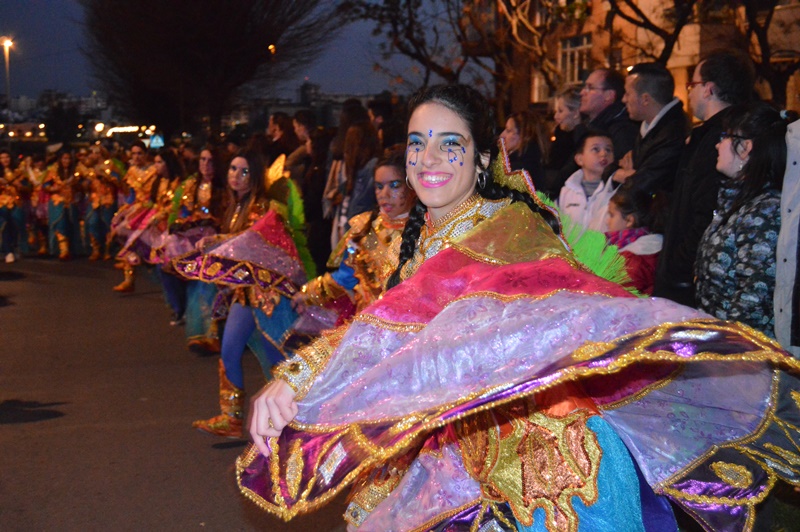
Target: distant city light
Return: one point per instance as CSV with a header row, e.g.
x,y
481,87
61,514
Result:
x,y
271,49
121,129
11,133
28,134
41,126
99,127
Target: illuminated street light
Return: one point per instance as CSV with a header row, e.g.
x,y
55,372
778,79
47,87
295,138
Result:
x,y
7,43
99,127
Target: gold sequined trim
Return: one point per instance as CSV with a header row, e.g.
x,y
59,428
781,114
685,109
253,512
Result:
x,y
390,325
733,474
294,468
457,212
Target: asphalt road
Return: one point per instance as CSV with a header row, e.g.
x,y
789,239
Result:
x,y
97,396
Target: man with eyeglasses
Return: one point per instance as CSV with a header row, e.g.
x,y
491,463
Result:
x,y
601,102
722,79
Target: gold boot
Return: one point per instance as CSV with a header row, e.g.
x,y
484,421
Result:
x,y
42,244
95,249
63,247
128,284
231,404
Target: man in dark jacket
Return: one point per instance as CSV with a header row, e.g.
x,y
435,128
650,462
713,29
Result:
x,y
721,80
649,98
601,102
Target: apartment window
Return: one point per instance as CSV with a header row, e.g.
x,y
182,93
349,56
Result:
x,y
574,57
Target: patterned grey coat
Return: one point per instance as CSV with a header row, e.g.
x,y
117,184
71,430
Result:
x,y
735,267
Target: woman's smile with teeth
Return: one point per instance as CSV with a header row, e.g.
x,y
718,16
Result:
x,y
433,179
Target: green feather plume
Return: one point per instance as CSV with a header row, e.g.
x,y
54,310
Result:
x,y
591,249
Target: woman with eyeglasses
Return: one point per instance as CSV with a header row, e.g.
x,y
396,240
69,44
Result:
x,y
735,266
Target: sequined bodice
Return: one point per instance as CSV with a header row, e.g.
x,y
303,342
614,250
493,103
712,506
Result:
x,y
436,236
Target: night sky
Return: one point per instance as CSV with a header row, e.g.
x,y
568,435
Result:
x,y
48,36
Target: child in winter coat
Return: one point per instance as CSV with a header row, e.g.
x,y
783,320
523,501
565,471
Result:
x,y
584,197
631,214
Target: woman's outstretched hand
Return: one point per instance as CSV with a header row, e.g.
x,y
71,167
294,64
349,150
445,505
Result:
x,y
273,408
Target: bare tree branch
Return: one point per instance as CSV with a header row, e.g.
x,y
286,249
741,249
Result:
x,y
170,63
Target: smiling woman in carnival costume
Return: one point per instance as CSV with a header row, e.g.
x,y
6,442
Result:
x,y
503,386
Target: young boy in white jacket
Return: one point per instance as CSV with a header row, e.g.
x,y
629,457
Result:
x,y
584,197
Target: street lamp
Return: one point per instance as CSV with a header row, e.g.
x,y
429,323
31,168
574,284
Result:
x,y
7,43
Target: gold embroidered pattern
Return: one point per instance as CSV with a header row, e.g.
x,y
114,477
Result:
x,y
796,396
531,460
214,269
735,475
294,468
436,236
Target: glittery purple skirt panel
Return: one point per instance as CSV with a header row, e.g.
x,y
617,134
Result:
x,y
246,259
661,374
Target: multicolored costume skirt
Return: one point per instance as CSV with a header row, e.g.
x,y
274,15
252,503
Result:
x,y
503,388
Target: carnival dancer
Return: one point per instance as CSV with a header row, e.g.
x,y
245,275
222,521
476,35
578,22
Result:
x,y
501,385
263,266
37,175
15,207
193,216
59,185
105,176
367,255
152,189
133,200
203,215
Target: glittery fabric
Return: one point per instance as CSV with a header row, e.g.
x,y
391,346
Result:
x,y
263,256
435,236
510,323
372,258
436,483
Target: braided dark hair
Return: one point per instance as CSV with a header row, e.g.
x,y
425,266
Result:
x,y
474,109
